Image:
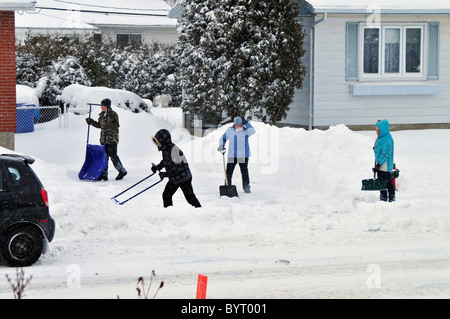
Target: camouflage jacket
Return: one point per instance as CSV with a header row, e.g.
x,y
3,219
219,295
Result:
x,y
109,125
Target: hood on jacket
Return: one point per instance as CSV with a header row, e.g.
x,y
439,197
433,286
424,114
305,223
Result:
x,y
383,125
162,139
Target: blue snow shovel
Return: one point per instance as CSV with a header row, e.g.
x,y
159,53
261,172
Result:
x,y
146,189
96,160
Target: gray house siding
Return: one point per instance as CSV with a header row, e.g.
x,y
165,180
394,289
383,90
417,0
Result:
x,y
300,109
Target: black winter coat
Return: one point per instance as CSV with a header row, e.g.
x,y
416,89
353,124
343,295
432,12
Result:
x,y
174,161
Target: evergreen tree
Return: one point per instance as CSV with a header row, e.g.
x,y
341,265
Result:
x,y
62,73
59,60
240,55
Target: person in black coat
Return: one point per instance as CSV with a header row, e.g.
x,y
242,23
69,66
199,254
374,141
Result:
x,y
177,170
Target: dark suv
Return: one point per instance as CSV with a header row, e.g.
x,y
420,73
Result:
x,y
26,226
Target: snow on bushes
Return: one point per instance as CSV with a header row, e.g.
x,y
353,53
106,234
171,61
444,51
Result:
x,y
76,97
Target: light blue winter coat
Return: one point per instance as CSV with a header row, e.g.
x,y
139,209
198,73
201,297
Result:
x,y
238,146
384,147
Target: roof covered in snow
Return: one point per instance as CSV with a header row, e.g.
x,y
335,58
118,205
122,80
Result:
x,y
88,14
382,6
15,5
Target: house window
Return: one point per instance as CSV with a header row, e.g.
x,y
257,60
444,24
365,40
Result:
x,y
392,52
126,39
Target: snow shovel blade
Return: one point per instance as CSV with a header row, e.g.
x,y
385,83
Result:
x,y
228,190
373,184
94,164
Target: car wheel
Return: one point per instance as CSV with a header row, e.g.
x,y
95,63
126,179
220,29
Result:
x,y
22,245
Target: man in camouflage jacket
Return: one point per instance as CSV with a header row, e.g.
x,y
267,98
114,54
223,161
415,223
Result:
x,y
108,123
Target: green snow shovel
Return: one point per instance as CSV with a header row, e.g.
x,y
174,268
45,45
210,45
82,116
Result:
x,y
374,184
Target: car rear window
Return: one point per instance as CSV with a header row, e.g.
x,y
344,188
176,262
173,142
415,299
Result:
x,y
15,175
22,176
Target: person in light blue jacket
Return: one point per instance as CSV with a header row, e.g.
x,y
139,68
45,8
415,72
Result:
x,y
384,159
238,149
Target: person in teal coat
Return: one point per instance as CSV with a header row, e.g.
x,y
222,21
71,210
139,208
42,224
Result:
x,y
384,159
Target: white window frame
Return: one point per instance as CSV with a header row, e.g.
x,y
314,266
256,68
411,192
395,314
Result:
x,y
129,37
402,75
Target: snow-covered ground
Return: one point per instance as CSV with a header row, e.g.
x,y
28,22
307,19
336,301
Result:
x,y
306,231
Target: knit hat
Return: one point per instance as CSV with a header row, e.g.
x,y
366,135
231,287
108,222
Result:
x,y
238,121
106,102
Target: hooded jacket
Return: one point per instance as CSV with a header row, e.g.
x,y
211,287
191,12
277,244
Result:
x,y
384,147
174,161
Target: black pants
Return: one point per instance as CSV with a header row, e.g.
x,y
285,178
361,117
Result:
x,y
188,192
111,153
388,194
243,165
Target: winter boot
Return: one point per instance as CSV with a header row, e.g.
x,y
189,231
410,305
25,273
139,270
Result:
x,y
121,175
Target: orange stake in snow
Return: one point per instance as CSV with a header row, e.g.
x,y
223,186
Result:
x,y
201,286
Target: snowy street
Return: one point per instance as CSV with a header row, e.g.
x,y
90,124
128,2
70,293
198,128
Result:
x,y
305,231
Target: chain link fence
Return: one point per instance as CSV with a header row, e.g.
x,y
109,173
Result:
x,y
31,117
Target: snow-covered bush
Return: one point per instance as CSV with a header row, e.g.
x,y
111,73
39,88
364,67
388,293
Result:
x,y
77,97
147,70
64,72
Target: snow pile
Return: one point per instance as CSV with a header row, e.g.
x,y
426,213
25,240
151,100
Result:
x,y
318,161
77,97
26,95
172,115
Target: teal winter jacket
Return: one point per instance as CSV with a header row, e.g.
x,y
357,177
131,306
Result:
x,y
384,147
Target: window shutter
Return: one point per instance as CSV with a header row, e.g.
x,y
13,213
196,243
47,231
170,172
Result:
x,y
433,51
351,56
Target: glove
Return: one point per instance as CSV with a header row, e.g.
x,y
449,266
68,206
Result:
x,y
162,175
155,168
88,120
221,149
376,168
244,121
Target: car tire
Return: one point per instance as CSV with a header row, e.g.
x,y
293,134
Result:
x,y
21,245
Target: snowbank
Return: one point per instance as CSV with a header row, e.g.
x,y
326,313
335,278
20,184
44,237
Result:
x,y
172,115
318,161
77,98
27,95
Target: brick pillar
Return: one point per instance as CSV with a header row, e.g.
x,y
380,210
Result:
x,y
7,79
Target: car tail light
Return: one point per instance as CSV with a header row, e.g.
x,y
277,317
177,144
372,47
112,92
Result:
x,y
44,196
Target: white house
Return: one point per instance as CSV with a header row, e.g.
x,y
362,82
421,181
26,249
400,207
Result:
x,y
122,21
373,59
